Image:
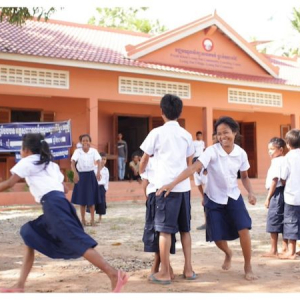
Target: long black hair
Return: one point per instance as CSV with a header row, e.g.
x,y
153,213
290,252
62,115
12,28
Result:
x,y
35,142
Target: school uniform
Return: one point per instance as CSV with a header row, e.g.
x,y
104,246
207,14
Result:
x,y
200,179
58,232
151,236
171,145
199,147
225,210
291,173
100,207
276,207
86,192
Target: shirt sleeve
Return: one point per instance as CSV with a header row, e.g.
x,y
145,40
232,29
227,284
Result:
x,y
284,170
149,143
206,156
107,180
191,148
75,155
245,163
22,168
97,156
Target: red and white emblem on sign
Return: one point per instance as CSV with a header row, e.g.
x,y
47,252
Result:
x,y
207,44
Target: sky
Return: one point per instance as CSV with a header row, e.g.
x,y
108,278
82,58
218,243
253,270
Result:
x,y
259,19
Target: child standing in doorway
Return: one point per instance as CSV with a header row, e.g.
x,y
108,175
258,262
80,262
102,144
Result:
x,y
57,233
291,175
275,199
171,146
85,192
100,208
226,215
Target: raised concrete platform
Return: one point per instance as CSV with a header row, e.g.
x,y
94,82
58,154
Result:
x,y
118,191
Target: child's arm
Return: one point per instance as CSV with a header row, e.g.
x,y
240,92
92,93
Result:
x,y
143,163
195,167
247,185
73,168
271,192
98,175
145,183
4,185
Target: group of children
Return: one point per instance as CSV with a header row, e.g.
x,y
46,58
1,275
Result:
x,y
58,232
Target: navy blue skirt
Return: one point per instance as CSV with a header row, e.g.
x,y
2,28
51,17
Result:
x,y
57,233
224,221
150,236
291,226
86,191
275,212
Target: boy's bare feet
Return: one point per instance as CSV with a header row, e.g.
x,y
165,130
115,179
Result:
x,y
249,275
287,255
270,254
227,261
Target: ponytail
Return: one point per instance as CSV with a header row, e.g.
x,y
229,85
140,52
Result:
x,y
45,154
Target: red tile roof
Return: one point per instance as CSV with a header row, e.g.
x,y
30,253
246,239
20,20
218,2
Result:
x,y
85,43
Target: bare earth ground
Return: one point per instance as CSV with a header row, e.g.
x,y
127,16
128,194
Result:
x,y
119,237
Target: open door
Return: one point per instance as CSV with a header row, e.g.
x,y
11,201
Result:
x,y
248,143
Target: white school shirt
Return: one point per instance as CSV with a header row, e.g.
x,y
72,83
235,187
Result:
x,y
149,175
199,147
40,181
222,169
104,172
274,171
200,179
291,173
171,145
85,160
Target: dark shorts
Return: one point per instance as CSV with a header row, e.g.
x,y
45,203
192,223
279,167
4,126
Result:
x,y
100,207
86,192
224,221
173,213
57,233
275,212
150,236
291,222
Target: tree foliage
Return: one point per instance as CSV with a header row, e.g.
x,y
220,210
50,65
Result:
x,y
19,15
126,18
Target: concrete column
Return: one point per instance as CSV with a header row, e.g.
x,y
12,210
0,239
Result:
x,y
295,121
207,113
92,105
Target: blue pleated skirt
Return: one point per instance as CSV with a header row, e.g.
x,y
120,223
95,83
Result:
x,y
86,191
57,233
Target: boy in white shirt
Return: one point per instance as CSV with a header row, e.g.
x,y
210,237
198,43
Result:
x,y
171,146
199,144
291,174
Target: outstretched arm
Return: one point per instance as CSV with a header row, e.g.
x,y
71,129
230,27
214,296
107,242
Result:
x,y
247,185
195,167
4,185
143,163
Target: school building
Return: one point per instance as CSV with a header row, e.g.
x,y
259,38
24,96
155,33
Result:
x,y
108,81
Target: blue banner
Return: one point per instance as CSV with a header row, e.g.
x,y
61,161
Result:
x,y
58,153
57,134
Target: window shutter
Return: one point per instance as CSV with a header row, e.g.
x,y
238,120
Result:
x,y
48,116
4,115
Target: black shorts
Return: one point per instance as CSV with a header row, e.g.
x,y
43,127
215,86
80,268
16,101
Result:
x,y
291,222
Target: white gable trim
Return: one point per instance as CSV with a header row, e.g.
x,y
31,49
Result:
x,y
143,71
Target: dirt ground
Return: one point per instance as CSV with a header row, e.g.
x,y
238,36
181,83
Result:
x,y
119,237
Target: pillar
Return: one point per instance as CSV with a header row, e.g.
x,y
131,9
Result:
x,y
207,118
295,121
92,105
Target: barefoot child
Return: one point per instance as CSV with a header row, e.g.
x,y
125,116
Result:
x,y
226,215
150,236
171,146
100,208
57,233
275,200
85,191
291,174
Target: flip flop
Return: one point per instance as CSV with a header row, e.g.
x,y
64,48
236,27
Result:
x,y
11,290
157,281
193,277
121,282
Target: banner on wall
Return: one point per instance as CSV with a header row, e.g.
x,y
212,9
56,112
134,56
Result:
x,y
57,135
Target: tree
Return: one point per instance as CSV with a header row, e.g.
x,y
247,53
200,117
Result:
x,y
19,15
296,21
126,18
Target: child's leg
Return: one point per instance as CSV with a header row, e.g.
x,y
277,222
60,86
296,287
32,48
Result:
x,y
222,245
187,252
156,263
100,218
97,260
291,253
245,242
274,250
28,260
284,245
164,253
82,214
92,211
